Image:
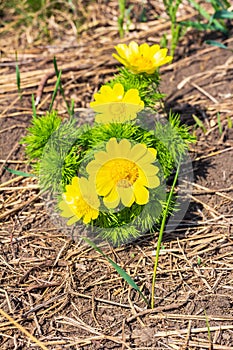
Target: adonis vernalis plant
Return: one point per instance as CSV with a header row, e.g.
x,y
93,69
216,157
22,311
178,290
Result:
x,y
111,176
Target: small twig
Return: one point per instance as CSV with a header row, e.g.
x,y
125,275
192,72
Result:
x,y
159,309
205,93
125,306
214,154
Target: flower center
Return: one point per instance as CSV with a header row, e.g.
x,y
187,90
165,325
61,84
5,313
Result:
x,y
141,60
123,172
117,108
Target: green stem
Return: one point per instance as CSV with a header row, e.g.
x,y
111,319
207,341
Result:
x,y
121,17
161,235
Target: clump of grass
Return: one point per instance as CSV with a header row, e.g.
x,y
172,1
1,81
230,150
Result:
x,y
171,8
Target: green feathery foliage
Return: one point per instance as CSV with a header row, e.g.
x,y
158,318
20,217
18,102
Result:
x,y
61,157
146,84
62,147
173,139
39,133
70,149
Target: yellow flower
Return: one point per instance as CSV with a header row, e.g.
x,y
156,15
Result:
x,y
80,201
124,172
143,58
116,105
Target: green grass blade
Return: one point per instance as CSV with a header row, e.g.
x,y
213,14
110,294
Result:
x,y
200,9
18,78
162,227
223,14
208,329
199,123
19,173
229,122
72,108
18,81
33,107
55,91
219,124
121,17
60,86
197,25
121,272
220,4
216,43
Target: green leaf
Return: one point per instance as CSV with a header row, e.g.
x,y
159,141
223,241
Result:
x,y
33,107
121,272
60,86
199,123
223,14
55,91
216,43
219,124
197,25
19,173
200,9
161,231
229,122
18,77
18,81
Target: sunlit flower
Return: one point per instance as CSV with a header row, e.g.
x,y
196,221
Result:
x,y
80,201
143,58
124,172
116,105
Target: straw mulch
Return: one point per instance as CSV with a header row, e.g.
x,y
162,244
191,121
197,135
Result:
x,y
56,293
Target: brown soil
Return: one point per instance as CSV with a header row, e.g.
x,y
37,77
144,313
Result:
x,y
60,290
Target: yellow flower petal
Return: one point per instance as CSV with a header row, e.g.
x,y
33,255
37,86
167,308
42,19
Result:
x,y
141,194
112,148
126,195
67,212
144,49
148,157
132,97
118,91
124,147
119,58
138,151
104,184
153,181
112,200
133,48
154,48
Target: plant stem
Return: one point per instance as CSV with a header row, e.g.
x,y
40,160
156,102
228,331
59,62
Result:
x,y
121,17
161,235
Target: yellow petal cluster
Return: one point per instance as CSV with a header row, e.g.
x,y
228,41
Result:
x,y
116,105
80,201
124,172
141,58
